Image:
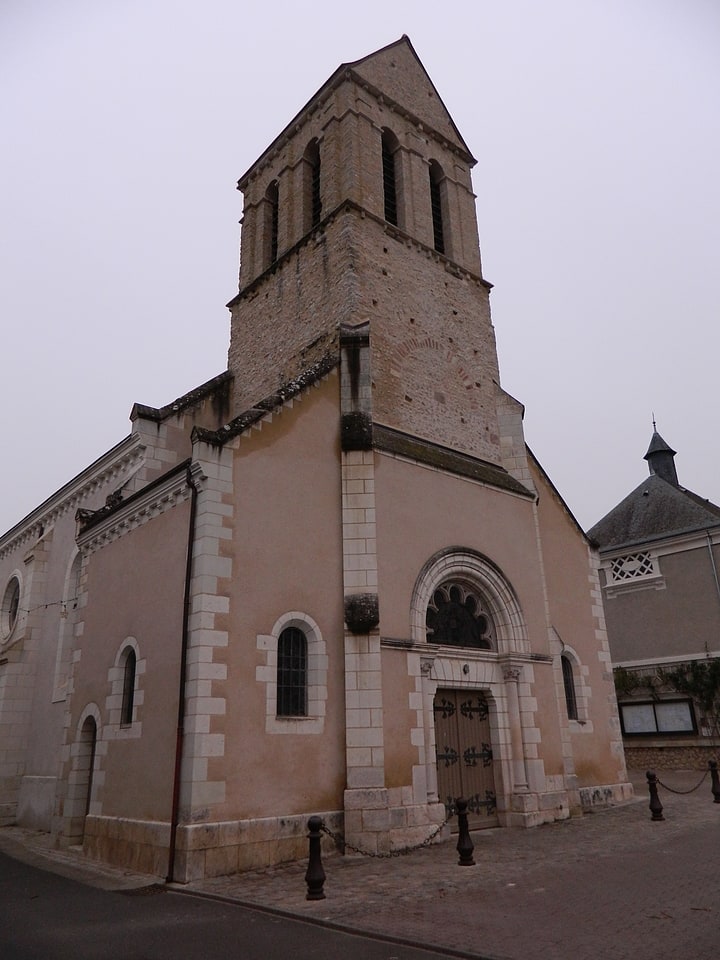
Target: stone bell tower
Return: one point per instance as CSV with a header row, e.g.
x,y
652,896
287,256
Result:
x,y
361,212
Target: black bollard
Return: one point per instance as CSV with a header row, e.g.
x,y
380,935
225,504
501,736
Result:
x,y
715,780
314,875
656,808
464,845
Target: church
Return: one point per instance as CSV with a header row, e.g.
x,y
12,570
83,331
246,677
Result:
x,y
332,580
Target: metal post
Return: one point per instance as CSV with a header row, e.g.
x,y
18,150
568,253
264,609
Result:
x,y
314,875
464,845
656,808
715,780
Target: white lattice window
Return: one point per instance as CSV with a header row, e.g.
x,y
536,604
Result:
x,y
632,567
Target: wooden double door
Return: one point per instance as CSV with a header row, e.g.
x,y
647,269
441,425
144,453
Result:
x,y
464,755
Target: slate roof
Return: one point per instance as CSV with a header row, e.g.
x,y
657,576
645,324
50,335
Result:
x,y
654,510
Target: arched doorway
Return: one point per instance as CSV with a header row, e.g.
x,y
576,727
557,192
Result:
x,y
81,780
467,614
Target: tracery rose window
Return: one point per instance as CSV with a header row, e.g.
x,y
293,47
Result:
x,y
458,617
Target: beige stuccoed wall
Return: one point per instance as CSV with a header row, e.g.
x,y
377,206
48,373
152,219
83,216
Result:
x,y
421,510
398,719
286,556
135,588
33,677
575,612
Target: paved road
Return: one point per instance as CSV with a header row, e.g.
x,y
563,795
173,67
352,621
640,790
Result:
x,y
49,917
608,886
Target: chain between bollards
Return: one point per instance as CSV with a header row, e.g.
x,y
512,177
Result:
x,y
315,874
714,780
656,808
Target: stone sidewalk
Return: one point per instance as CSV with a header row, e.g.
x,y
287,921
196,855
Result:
x,y
610,885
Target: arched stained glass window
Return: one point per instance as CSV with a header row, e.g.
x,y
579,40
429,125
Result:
x,y
458,616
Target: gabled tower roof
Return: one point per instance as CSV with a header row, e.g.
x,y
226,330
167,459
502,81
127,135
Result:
x,y
396,74
398,71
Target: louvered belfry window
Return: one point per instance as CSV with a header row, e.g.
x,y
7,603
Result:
x,y
436,206
389,182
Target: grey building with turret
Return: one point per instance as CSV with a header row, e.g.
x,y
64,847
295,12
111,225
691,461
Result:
x,y
660,555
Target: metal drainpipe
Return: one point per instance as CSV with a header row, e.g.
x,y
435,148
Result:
x,y
174,816
712,563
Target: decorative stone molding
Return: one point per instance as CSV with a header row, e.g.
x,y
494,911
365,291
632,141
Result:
x,y
156,499
460,563
115,464
317,667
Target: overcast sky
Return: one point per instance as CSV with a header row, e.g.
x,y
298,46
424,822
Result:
x,y
596,125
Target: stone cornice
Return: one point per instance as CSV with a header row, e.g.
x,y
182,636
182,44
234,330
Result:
x,y
388,440
284,395
219,383
155,499
69,497
395,232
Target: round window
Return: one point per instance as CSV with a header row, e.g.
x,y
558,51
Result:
x,y
10,607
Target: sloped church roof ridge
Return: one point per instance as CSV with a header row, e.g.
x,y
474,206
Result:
x,y
363,69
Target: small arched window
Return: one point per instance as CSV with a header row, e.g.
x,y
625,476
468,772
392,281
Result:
x,y
128,694
436,176
271,222
313,202
569,685
292,673
389,148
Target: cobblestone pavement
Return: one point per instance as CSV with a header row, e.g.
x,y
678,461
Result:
x,y
610,885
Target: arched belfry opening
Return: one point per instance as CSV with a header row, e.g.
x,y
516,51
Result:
x,y
313,185
437,207
390,176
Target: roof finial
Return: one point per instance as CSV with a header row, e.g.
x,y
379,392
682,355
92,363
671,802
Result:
x,y
654,424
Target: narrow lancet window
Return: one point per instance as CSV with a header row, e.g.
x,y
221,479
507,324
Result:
x,y
436,175
569,684
128,700
312,193
272,220
389,147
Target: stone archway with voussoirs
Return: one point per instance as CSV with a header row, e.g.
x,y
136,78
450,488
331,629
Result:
x,y
479,669
464,565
